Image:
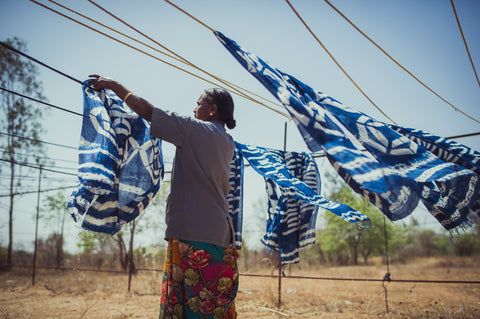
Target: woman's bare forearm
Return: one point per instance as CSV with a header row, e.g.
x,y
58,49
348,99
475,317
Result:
x,y
139,105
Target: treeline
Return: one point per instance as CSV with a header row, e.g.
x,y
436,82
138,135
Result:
x,y
337,242
98,251
406,243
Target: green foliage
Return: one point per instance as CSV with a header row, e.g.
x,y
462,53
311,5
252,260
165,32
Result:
x,y
53,212
151,256
427,243
342,242
89,242
466,244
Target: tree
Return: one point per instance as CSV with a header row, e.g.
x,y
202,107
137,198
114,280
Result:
x,y
253,230
342,242
89,242
98,247
47,251
54,215
21,119
466,244
151,219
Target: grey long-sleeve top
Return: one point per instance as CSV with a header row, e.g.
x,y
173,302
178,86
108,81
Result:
x,y
197,207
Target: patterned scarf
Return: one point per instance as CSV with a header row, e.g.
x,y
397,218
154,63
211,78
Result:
x,y
235,197
292,214
120,164
445,149
395,175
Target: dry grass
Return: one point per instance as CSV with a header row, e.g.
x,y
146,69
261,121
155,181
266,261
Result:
x,y
102,295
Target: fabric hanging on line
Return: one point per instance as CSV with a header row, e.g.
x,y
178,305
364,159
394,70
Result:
x,y
445,149
398,173
120,164
292,214
291,222
235,197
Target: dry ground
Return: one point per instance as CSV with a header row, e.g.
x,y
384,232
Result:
x,y
74,294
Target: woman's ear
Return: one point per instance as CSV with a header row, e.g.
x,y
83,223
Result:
x,y
213,108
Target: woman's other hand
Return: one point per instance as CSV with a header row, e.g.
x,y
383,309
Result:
x,y
101,82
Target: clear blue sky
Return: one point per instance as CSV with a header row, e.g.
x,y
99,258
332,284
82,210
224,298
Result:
x,y
421,34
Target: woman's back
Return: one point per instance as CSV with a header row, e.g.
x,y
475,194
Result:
x,y
197,207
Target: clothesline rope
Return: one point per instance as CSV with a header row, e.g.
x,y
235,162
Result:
x,y
184,60
46,103
155,57
465,42
39,101
331,56
36,191
38,141
39,62
398,64
114,30
316,155
338,64
22,154
37,167
175,56
188,14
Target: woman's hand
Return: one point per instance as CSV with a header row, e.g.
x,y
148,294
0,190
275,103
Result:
x,y
140,106
101,82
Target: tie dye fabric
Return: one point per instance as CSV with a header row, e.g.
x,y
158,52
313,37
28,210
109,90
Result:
x,y
120,164
445,149
292,214
395,175
235,197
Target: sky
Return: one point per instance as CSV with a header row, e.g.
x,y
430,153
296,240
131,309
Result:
x,y
422,35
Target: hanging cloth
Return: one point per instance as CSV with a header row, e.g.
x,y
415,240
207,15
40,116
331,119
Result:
x,y
398,172
120,164
292,214
445,149
235,197
291,222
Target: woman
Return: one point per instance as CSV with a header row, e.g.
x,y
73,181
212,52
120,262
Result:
x,y
200,276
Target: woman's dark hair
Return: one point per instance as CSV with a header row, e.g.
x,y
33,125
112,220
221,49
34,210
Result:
x,y
224,103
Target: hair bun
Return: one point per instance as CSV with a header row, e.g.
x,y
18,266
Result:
x,y
231,123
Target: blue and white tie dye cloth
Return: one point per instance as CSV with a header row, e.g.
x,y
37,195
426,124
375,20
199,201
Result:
x,y
120,164
445,149
397,174
292,214
235,197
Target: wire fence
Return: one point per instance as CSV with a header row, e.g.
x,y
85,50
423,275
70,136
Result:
x,y
129,273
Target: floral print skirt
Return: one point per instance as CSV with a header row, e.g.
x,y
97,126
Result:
x,y
199,281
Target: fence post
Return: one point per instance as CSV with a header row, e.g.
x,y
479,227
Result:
x,y
36,226
279,252
131,265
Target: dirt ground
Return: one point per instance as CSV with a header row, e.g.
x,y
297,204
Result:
x,y
75,294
